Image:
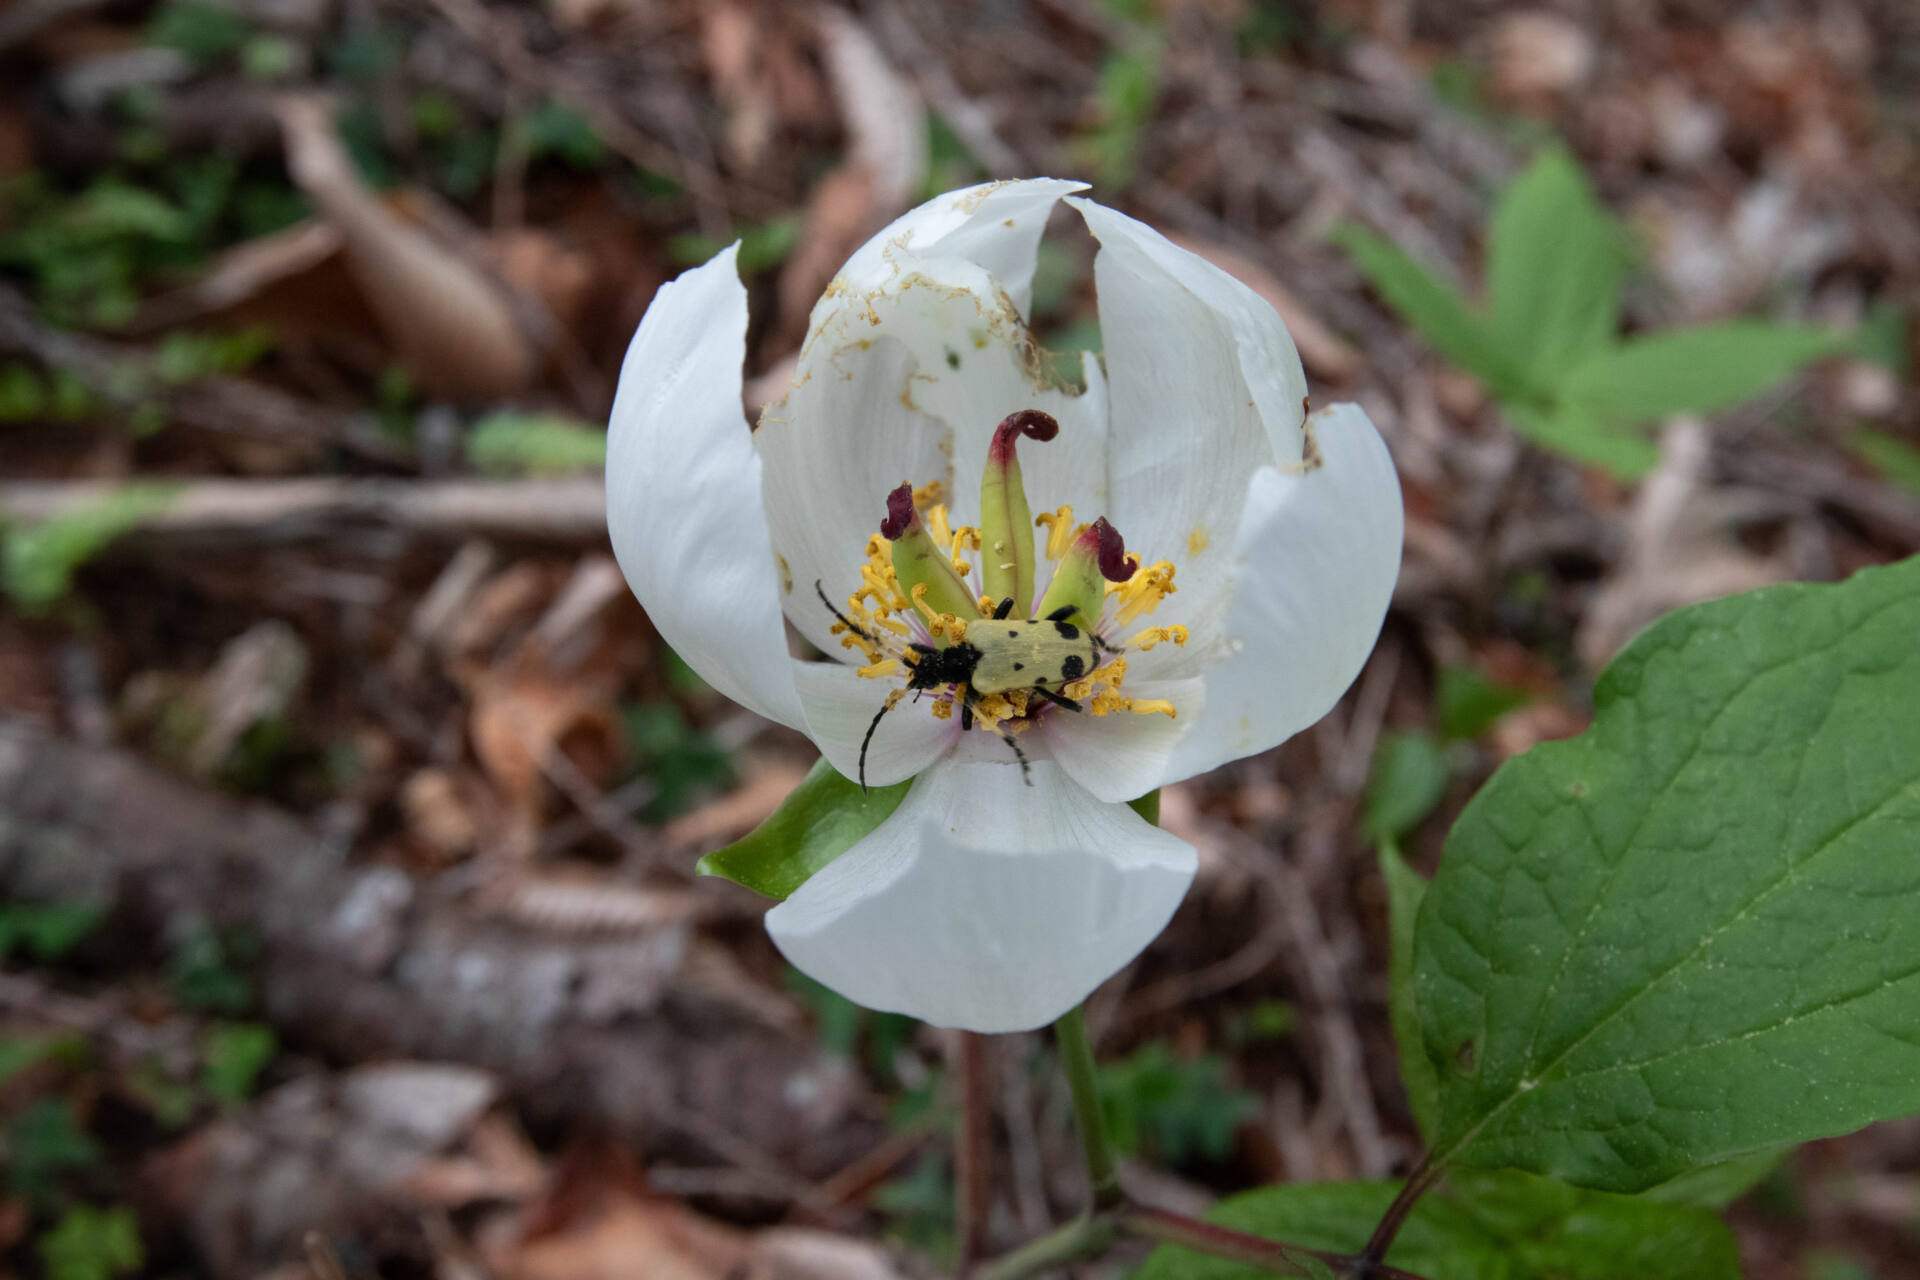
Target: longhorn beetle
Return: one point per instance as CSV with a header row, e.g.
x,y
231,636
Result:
x,y
999,655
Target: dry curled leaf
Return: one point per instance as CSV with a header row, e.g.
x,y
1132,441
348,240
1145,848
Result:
x,y
453,327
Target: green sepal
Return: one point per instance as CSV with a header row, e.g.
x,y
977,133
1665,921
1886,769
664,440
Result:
x,y
822,818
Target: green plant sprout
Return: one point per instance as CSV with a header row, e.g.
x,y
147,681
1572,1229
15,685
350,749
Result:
x,y
1547,344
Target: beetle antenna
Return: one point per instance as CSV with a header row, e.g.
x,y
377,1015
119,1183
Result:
x,y
1026,768
1005,608
893,700
845,621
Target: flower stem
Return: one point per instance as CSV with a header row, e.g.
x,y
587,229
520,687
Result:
x,y
1076,1055
1087,1236
971,1175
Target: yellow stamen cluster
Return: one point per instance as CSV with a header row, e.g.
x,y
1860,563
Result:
x,y
1143,592
1100,693
881,609
1158,635
1060,528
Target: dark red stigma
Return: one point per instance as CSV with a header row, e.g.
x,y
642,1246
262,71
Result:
x,y
1115,564
1030,423
899,513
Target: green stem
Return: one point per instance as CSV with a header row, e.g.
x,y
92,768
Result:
x,y
1085,1237
1076,1055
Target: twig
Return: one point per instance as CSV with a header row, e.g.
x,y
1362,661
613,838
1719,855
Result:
x,y
973,1154
280,511
1395,1217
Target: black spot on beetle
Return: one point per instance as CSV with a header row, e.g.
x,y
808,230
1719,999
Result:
x,y
1072,666
1019,666
1067,630
1012,634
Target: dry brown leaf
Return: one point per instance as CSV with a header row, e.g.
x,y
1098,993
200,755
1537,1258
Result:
x,y
610,1232
1321,349
1539,54
737,812
729,44
886,162
1678,549
453,329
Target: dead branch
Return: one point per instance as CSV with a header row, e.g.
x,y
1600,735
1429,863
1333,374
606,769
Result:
x,y
360,962
265,512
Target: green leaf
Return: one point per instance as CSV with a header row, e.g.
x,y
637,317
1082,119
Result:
x,y
92,1244
43,1143
511,444
823,818
233,1057
1719,1185
1442,317
1692,932
1405,889
1554,263
18,1055
1692,370
1503,1226
1579,434
37,562
1469,703
47,931
1409,777
1892,457
1180,1109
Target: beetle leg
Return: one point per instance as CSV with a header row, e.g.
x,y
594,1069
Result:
x,y
1066,704
1026,768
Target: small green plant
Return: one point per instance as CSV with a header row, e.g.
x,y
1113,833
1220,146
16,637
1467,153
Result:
x,y
1546,343
207,971
1179,1109
37,562
44,1144
763,246
46,932
92,1244
1125,96
518,444
233,1056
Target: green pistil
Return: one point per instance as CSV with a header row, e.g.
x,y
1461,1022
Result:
x,y
1098,556
1007,559
918,562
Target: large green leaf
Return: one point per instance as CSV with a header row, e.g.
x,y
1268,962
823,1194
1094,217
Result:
x,y
1554,263
1443,317
1405,889
1489,1226
1694,931
823,817
1692,370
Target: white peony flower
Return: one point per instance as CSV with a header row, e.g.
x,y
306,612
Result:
x,y
1264,543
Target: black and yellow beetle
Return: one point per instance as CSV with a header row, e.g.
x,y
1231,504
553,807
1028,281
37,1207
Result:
x,y
999,655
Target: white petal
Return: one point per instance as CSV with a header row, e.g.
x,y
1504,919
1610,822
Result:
x,y
1123,756
840,707
845,436
683,492
996,225
1206,389
1314,565
984,904
950,282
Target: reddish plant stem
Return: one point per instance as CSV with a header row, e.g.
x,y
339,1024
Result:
x,y
973,1155
1418,1183
1168,1227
